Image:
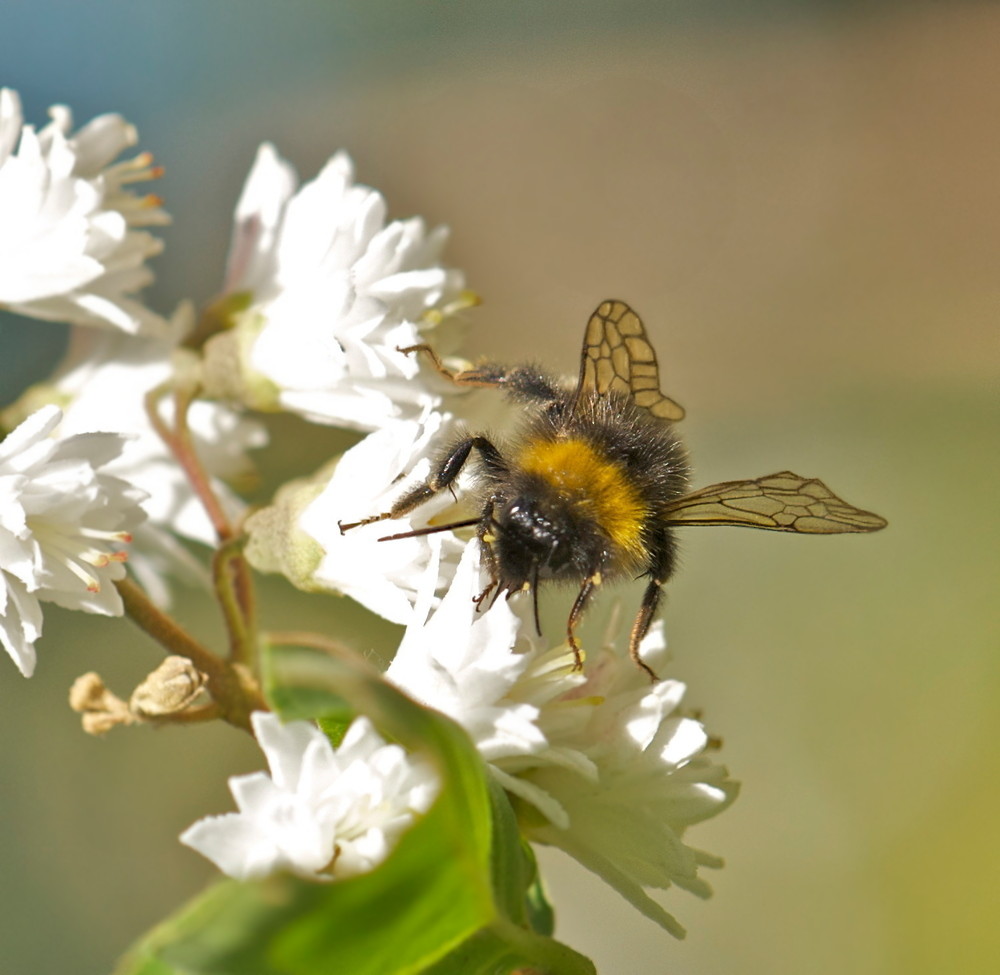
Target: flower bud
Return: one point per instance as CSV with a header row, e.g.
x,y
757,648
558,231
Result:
x,y
170,688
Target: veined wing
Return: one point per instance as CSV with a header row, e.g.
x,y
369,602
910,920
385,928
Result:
x,y
618,358
779,502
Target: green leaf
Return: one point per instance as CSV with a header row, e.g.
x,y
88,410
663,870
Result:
x,y
432,893
540,913
334,727
504,948
453,897
511,861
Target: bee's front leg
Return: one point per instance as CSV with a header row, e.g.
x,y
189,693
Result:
x,y
440,478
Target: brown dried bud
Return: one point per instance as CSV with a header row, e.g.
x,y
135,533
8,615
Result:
x,y
101,709
171,688
100,722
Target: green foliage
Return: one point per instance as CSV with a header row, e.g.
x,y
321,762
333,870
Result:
x,y
540,912
458,895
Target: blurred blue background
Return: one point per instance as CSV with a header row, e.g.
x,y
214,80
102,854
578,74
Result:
x,y
802,200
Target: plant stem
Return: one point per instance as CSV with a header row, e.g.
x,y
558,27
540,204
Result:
x,y
232,578
178,440
234,590
317,641
231,684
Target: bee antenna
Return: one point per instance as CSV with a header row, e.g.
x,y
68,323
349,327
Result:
x,y
534,597
419,532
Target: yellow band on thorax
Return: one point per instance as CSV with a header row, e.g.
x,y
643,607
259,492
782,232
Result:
x,y
593,485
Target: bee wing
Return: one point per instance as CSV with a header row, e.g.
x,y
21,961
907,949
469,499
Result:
x,y
617,358
780,502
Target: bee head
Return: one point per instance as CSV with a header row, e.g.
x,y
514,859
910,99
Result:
x,y
532,541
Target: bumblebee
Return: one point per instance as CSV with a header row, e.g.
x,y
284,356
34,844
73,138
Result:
x,y
592,487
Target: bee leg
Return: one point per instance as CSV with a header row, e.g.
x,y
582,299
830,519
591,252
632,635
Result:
x,y
488,557
441,478
650,602
582,598
485,375
433,356
478,600
487,538
523,382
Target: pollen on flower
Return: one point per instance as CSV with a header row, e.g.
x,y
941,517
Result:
x,y
465,299
89,580
101,560
138,169
152,201
105,536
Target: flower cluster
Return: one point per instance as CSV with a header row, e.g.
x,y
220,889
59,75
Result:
x,y
103,384
323,813
140,440
613,764
63,523
333,293
70,247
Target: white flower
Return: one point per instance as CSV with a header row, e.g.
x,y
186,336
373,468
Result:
x,y
69,247
485,670
62,522
322,812
102,385
383,576
334,293
618,772
653,780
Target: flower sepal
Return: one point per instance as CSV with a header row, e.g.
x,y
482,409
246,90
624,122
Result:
x,y
276,543
227,372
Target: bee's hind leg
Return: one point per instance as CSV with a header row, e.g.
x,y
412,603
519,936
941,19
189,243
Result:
x,y
526,383
643,619
660,569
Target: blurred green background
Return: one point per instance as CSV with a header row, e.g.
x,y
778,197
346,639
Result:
x,y
803,202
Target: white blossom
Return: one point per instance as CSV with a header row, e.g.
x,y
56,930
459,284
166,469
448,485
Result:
x,y
616,768
102,385
70,247
335,292
323,812
653,780
487,672
63,521
367,480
